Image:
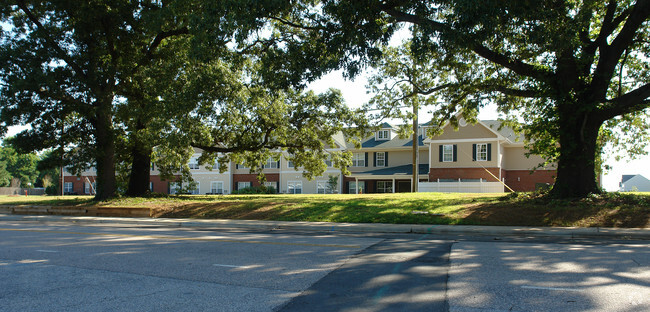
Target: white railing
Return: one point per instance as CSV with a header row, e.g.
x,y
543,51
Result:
x,y
461,187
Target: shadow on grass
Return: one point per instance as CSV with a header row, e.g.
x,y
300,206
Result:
x,y
606,210
356,209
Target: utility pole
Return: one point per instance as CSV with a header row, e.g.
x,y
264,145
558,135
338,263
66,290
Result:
x,y
416,146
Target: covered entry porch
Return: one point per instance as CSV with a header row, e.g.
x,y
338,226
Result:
x,y
386,180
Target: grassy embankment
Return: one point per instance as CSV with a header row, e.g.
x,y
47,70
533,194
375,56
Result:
x,y
609,210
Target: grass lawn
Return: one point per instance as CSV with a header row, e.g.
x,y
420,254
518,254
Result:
x,y
608,210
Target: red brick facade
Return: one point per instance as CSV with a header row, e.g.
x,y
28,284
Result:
x,y
524,180
518,180
78,187
252,178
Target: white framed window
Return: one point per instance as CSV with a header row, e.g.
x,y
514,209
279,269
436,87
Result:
x,y
328,162
271,163
447,153
322,187
294,187
243,185
67,187
290,164
274,185
381,159
352,189
482,152
174,187
383,134
241,166
194,163
384,186
87,189
358,160
215,165
216,187
197,189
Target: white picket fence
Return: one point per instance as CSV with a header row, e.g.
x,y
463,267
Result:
x,y
461,187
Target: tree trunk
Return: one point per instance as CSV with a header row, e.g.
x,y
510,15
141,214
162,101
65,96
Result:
x,y
105,152
140,168
576,174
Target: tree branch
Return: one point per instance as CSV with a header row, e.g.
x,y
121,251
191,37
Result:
x,y
62,54
627,103
514,65
611,54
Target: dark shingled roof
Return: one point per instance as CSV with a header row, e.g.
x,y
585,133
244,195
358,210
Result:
x,y
404,169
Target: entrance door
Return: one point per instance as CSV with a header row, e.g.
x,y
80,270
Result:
x,y
403,186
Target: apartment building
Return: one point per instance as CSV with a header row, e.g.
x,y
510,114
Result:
x,y
483,152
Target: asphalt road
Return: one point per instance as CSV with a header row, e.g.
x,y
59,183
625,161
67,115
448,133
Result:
x,y
67,267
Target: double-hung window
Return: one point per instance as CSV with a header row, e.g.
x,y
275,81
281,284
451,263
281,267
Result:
x,y
358,160
380,161
384,186
243,185
447,153
271,164
294,187
383,135
482,152
194,163
67,187
352,189
216,187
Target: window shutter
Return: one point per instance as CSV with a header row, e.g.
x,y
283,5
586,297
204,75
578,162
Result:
x,y
278,164
374,159
385,159
474,152
455,152
489,151
366,159
237,166
347,187
440,153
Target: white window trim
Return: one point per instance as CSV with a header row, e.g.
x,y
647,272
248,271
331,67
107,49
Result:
x,y
194,163
66,189
294,183
478,151
383,135
451,153
197,189
271,164
385,189
356,160
383,160
214,190
248,184
363,187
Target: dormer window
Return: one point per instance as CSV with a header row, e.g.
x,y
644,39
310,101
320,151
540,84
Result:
x,y
383,135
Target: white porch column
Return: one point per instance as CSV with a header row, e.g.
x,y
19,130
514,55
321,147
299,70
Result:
x,y
393,185
356,185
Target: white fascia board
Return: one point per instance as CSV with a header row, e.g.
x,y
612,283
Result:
x,y
466,140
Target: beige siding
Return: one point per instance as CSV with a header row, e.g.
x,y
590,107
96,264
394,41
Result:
x,y
308,187
515,159
476,131
464,156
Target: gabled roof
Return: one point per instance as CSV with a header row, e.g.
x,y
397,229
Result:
x,y
627,177
404,169
396,142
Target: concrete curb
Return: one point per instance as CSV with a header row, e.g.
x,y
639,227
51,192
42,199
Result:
x,y
560,232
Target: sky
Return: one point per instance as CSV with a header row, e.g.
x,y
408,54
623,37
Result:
x,y
354,93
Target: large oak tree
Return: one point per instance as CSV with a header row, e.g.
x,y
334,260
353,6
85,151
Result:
x,y
574,69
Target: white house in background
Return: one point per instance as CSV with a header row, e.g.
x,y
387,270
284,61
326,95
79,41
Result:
x,y
634,183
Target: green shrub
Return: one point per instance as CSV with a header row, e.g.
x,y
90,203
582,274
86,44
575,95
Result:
x,y
255,190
